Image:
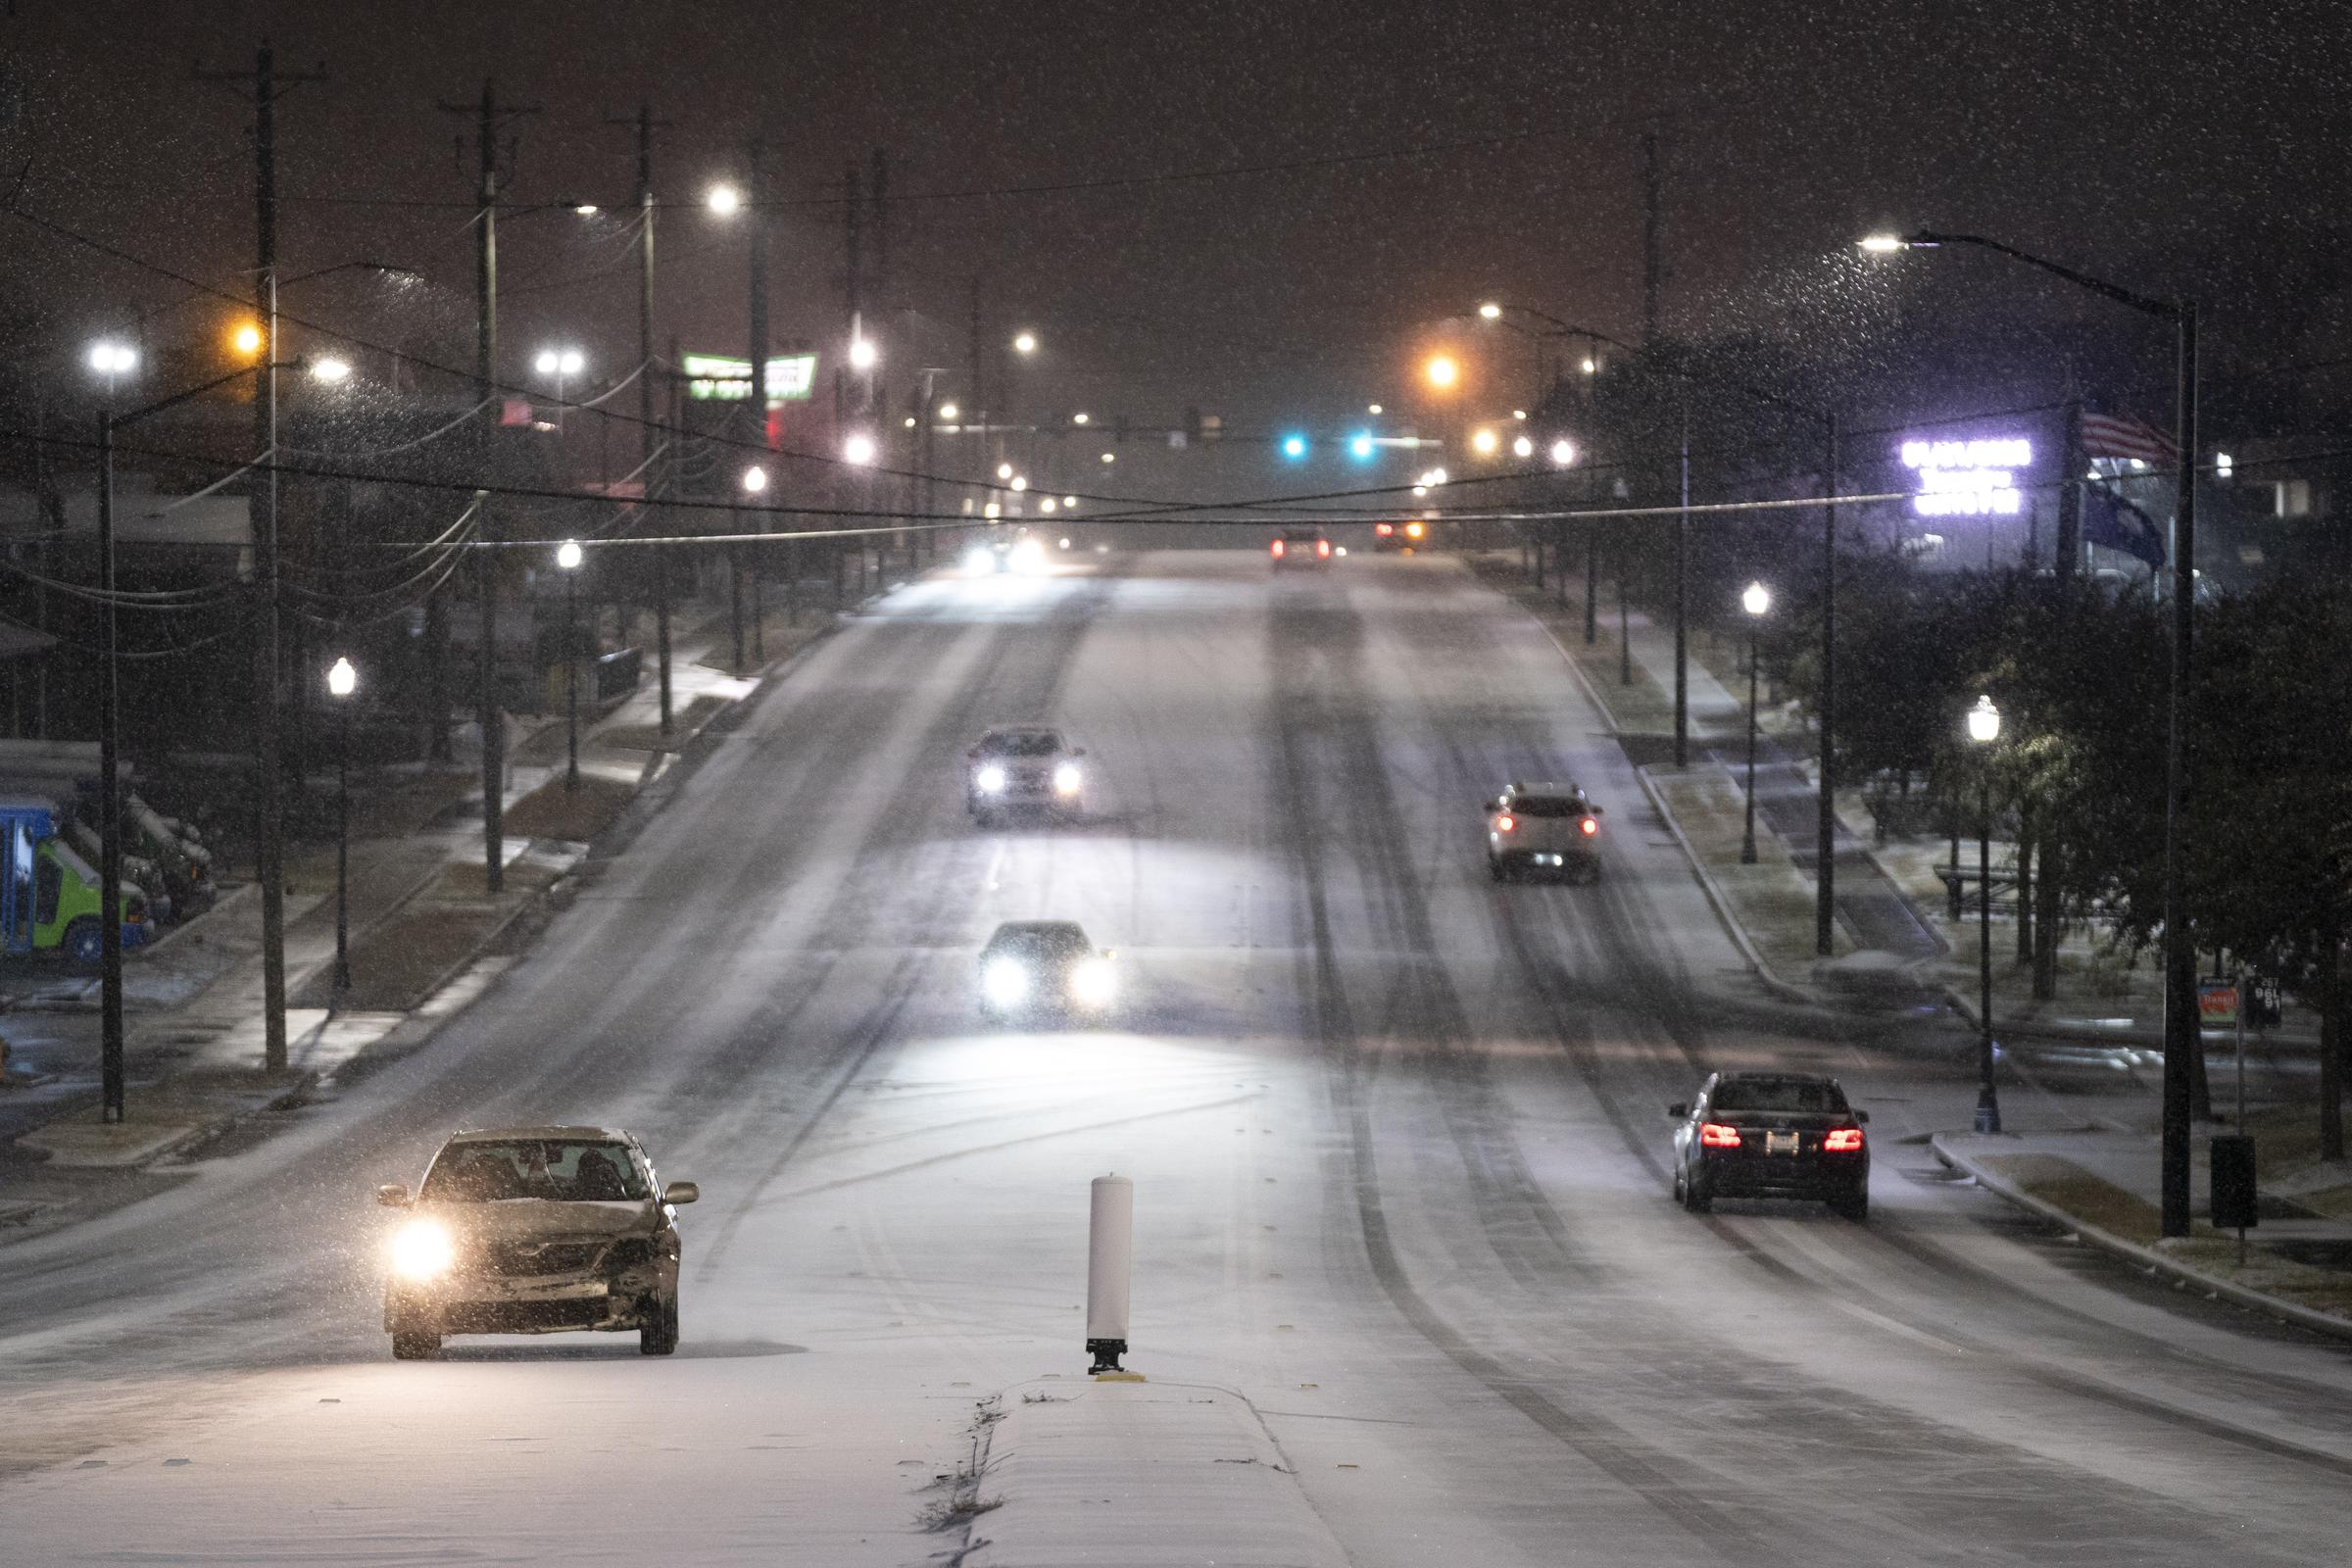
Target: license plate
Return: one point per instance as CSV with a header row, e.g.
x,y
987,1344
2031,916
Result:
x,y
1779,1143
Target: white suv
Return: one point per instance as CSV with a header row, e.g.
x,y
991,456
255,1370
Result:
x,y
1544,827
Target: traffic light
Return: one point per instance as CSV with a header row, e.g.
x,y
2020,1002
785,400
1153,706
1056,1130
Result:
x,y
1361,447
1294,446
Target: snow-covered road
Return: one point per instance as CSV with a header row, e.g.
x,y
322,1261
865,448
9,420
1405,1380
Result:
x,y
1396,1135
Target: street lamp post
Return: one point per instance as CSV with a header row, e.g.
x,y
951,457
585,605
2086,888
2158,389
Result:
x,y
2181,1018
560,363
341,681
1756,601
1985,728
568,556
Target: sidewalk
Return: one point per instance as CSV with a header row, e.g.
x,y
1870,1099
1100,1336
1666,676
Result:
x,y
426,937
2103,1186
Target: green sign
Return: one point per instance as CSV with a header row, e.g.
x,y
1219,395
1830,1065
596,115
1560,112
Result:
x,y
715,378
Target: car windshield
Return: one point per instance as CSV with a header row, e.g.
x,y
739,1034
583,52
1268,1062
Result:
x,y
560,1169
1548,805
1038,942
1777,1094
1021,743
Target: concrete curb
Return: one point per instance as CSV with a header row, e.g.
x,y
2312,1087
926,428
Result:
x,y
2146,1258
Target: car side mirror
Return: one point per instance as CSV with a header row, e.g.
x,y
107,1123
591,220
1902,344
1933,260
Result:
x,y
392,1196
1861,1116
680,1192
1677,1110
1593,811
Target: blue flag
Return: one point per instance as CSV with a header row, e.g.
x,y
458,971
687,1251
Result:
x,y
2110,521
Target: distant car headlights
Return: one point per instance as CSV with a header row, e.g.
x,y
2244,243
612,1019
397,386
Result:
x,y
1066,779
991,780
1028,556
421,1251
1004,981
1091,983
980,561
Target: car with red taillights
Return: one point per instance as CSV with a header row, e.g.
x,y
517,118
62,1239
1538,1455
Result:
x,y
1299,547
1535,829
1407,537
1771,1135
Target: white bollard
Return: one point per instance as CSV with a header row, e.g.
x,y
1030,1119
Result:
x,y
1109,1254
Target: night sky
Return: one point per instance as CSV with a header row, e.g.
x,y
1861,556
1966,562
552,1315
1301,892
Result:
x,y
2152,141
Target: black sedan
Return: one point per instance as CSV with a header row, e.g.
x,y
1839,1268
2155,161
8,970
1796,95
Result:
x,y
1771,1135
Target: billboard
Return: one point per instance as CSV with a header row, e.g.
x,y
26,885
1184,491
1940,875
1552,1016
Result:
x,y
718,378
1976,478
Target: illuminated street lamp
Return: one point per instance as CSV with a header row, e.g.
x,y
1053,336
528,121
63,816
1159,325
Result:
x,y
341,681
863,354
559,363
1985,728
246,339
1563,453
1024,343
111,359
1079,418
755,479
950,413
1491,310
1003,470
1070,503
1441,372
859,449
1019,483
569,556
724,200
1523,447
1484,442
329,370
1110,456
1758,602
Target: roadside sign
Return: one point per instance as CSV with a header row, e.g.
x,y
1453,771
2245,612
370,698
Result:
x,y
2262,1007
2217,1004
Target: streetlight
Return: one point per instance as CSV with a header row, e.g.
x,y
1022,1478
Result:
x,y
949,412
1019,483
859,449
1563,453
246,339
1484,442
1523,447
1491,310
1756,600
329,370
1373,409
341,681
560,362
569,556
2180,1016
1081,417
1003,470
724,200
1441,372
755,479
1024,343
1985,728
111,359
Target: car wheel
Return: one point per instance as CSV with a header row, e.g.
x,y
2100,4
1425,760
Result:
x,y
1853,1205
661,1335
415,1345
1696,1197
1680,1196
85,943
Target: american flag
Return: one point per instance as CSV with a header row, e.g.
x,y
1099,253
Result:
x,y
2121,437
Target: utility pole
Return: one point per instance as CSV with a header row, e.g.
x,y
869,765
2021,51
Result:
x,y
1652,269
853,213
756,210
1825,827
976,415
1682,602
485,387
648,445
270,857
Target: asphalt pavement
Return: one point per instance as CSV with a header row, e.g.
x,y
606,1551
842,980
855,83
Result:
x,y
1397,1134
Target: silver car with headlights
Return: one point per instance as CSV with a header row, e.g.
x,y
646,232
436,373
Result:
x,y
1023,768
536,1230
1046,969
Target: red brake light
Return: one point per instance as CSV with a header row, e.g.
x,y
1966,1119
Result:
x,y
1842,1141
1322,547
1715,1135
1505,822
1589,826
1384,529
1278,548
